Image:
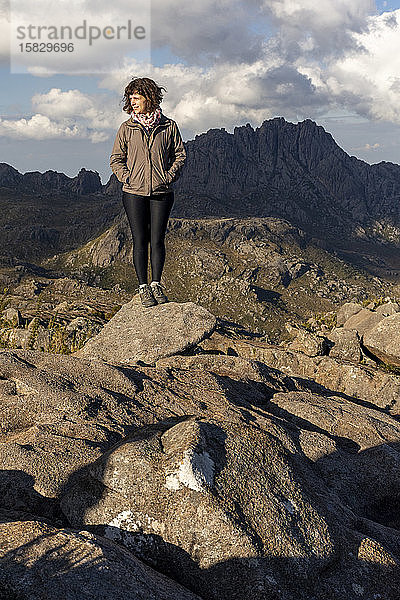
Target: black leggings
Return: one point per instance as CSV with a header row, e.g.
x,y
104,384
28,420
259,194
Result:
x,y
148,218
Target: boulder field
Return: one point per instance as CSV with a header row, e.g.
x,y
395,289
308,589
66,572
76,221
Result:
x,y
193,465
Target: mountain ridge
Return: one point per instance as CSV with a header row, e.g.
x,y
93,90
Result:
x,y
282,169
296,172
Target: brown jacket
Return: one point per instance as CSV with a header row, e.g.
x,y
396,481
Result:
x,y
147,164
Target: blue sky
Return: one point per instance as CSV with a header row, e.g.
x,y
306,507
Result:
x,y
224,63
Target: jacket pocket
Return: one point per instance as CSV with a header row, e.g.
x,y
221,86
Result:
x,y
160,178
137,175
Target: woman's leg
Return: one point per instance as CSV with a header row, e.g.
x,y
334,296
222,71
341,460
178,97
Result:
x,y
138,212
160,209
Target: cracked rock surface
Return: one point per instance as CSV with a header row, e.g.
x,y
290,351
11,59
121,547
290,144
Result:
x,y
223,473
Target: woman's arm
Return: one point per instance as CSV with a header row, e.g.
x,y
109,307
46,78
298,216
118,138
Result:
x,y
118,157
178,154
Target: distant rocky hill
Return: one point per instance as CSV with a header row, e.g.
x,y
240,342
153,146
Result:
x,y
45,213
254,271
50,182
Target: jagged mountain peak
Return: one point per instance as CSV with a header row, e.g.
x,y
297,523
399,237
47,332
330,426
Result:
x,y
50,181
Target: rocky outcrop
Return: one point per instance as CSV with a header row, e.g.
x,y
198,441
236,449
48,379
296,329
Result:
x,y
376,329
55,315
383,340
349,309
346,359
137,333
9,177
363,320
364,382
294,171
224,474
346,344
307,342
75,563
268,473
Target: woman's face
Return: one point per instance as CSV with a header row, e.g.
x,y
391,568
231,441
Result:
x,y
139,103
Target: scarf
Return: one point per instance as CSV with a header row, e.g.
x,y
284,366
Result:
x,y
148,120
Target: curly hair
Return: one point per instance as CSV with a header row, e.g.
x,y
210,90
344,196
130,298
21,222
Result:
x,y
147,88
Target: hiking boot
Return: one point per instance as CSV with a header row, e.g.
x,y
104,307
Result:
x,y
146,296
158,294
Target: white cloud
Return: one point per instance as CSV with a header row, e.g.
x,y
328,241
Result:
x,y
368,80
38,127
65,115
225,95
61,104
326,15
315,57
321,28
94,110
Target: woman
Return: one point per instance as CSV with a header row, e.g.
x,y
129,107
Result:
x,y
147,157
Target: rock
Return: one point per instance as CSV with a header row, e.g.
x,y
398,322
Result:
x,y
383,340
387,309
367,359
35,336
75,564
346,311
363,320
41,339
79,324
307,342
46,401
62,306
233,367
364,382
346,344
13,316
298,269
227,475
9,177
86,182
15,338
213,262
243,497
137,333
29,288
34,323
67,286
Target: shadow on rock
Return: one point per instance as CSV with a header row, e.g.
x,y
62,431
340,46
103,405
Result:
x,y
18,494
39,561
231,511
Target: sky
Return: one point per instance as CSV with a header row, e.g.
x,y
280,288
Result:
x,y
224,63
